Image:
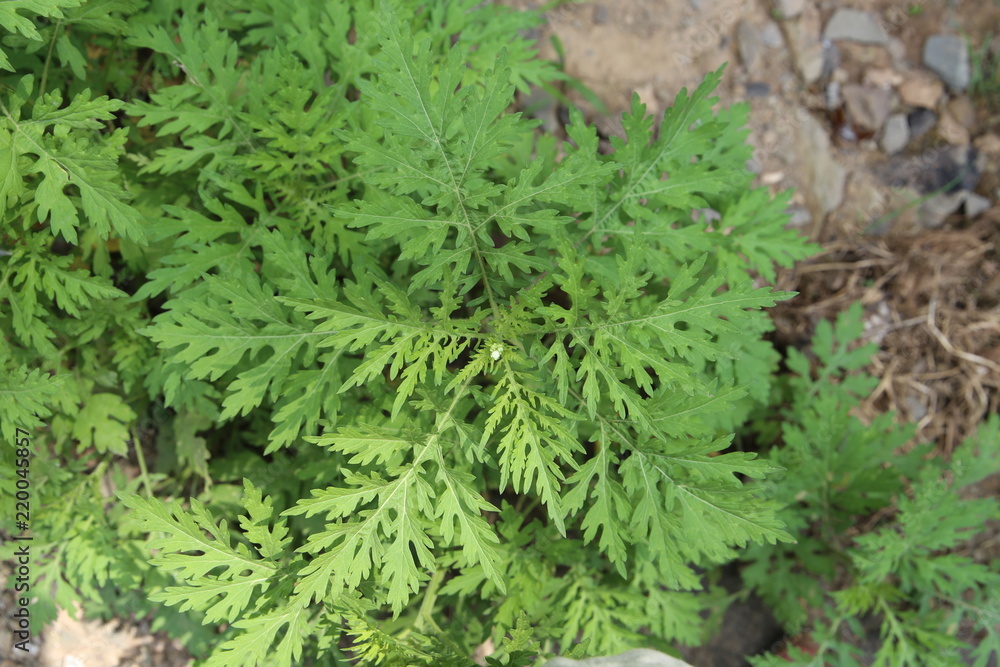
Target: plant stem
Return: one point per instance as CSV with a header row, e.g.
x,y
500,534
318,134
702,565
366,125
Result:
x,y
426,609
144,472
48,57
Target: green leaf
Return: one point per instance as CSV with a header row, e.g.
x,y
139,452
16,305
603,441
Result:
x,y
255,643
222,580
25,397
103,423
13,22
211,340
379,538
58,143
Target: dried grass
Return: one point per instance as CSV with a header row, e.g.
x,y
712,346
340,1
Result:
x,y
932,302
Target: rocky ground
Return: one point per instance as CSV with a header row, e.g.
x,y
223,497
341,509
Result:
x,y
889,132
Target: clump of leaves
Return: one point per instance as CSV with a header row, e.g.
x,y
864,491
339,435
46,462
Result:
x,y
902,570
421,376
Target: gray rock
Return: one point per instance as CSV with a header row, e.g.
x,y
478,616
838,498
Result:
x,y
807,50
939,169
946,176
788,9
897,51
852,25
750,44
800,217
822,171
896,134
948,57
920,121
832,95
934,211
831,59
770,34
976,204
639,657
914,405
758,89
869,106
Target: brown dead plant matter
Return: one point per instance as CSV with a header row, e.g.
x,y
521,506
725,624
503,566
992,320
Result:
x,y
932,302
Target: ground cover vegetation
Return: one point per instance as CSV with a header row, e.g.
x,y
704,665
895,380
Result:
x,y
328,356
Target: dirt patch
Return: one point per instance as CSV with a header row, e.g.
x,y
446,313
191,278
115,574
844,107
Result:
x,y
931,304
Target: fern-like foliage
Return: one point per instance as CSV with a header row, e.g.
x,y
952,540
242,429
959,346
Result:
x,y
903,572
519,337
41,145
391,374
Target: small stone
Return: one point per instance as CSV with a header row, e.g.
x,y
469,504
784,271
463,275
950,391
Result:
x,y
758,89
832,96
810,65
970,165
805,44
897,51
852,25
770,34
882,77
831,59
921,90
878,322
600,14
961,110
975,205
800,217
934,211
825,175
988,144
947,169
915,406
896,134
948,57
868,106
847,134
952,131
920,121
772,177
788,9
749,42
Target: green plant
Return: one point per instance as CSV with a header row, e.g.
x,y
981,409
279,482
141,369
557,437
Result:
x,y
901,568
984,79
410,375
